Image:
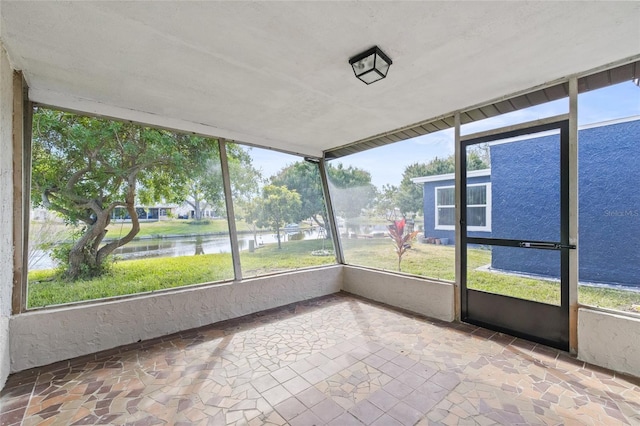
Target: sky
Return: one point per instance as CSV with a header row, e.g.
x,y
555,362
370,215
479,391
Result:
x,y
386,164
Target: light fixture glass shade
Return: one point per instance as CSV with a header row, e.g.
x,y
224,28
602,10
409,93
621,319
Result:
x,y
364,65
370,76
371,65
382,66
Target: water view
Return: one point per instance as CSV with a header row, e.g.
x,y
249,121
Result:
x,y
184,245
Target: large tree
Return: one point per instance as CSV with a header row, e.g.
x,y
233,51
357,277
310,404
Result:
x,y
249,211
202,193
304,178
387,201
245,188
409,197
278,205
245,178
85,167
351,190
205,190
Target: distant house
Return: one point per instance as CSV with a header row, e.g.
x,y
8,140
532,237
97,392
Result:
x,y
515,202
439,204
155,212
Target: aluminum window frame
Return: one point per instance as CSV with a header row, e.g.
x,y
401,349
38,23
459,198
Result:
x,y
22,143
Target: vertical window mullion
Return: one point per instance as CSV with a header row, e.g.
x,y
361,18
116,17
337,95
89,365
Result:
x,y
231,223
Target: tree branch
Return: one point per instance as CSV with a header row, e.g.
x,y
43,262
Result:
x,y
53,192
113,205
46,202
76,177
135,222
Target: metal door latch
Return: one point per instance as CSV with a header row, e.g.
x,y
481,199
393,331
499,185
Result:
x,y
545,246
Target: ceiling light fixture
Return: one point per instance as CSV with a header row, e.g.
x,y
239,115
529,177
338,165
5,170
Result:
x,y
371,65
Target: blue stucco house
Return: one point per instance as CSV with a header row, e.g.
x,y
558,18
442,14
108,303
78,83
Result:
x,y
514,202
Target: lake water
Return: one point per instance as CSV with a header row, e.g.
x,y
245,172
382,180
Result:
x,y
178,246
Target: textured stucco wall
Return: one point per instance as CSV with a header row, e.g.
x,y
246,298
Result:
x,y
609,340
6,210
429,208
40,338
609,185
525,181
526,203
429,298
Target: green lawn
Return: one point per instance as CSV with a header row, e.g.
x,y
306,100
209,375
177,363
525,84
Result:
x,y
439,262
174,227
145,275
147,229
135,276
423,259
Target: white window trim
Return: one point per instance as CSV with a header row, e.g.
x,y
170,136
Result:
x,y
486,228
435,206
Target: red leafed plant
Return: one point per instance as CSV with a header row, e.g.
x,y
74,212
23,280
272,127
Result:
x,y
401,241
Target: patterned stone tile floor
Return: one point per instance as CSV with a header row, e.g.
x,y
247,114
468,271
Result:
x,y
336,360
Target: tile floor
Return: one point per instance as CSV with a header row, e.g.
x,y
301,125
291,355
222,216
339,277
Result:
x,y
337,360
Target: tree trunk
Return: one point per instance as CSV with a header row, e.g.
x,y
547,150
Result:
x,y
198,207
255,235
107,249
199,248
83,256
197,211
278,235
76,260
325,225
86,258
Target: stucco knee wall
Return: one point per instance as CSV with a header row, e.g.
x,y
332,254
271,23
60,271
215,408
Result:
x,y
5,357
43,337
430,298
609,340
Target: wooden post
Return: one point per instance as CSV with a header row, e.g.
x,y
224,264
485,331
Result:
x,y
21,162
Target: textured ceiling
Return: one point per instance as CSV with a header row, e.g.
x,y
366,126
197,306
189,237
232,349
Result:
x,y
277,73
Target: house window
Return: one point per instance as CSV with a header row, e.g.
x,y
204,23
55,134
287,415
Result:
x,y
445,208
478,207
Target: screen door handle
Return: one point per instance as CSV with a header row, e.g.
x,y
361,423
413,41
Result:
x,y
545,246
